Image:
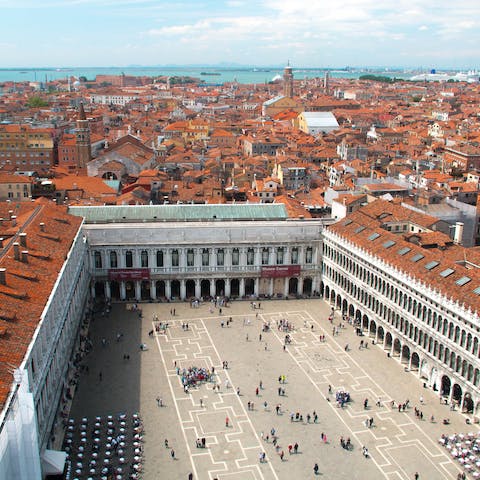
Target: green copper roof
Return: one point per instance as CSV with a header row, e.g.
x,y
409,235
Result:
x,y
186,213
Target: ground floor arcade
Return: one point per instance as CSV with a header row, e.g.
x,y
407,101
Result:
x,y
438,366
183,289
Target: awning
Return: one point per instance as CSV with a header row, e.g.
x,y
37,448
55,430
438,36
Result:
x,y
53,462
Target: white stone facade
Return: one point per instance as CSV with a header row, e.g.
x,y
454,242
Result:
x,y
185,260
429,333
30,411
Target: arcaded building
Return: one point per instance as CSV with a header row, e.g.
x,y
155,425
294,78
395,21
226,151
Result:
x,y
415,291
181,252
412,290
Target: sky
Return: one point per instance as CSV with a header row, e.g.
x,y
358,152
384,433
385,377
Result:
x,y
308,33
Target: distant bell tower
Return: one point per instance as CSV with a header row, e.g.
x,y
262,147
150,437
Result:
x,y
288,81
326,83
82,134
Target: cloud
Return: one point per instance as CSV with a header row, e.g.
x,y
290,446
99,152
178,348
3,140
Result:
x,y
268,31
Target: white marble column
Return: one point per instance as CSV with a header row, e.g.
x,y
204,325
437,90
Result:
x,y
198,290
242,287
168,289
257,259
285,287
123,291
300,286
183,290
227,287
272,256
138,290
212,286
153,289
108,292
242,254
256,287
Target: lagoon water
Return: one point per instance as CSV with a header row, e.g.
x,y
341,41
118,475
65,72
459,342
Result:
x,y
250,75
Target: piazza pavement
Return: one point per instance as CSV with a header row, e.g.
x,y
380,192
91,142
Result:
x,y
399,444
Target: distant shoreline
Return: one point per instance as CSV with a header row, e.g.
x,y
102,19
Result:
x,y
244,75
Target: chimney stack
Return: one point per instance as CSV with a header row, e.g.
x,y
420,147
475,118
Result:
x,y
1,242
23,239
10,213
1,221
25,256
16,251
458,233
14,220
3,276
42,227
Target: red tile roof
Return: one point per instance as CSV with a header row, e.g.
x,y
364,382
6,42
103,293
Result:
x,y
29,285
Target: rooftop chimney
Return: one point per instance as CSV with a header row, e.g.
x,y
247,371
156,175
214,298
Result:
x,y
42,226
23,239
458,233
1,242
10,213
25,256
16,251
13,218
1,221
3,276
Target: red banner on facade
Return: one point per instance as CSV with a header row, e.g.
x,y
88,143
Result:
x,y
278,271
129,274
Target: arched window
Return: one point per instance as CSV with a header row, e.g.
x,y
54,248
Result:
x,y
129,259
280,255
205,257
309,255
144,259
294,255
250,256
98,259
113,259
159,258
175,258
235,256
265,253
220,257
190,257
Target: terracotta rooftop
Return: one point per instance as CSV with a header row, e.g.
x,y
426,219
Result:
x,y
28,285
433,259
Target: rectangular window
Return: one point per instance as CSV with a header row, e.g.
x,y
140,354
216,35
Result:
x,y
447,272
417,257
250,256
